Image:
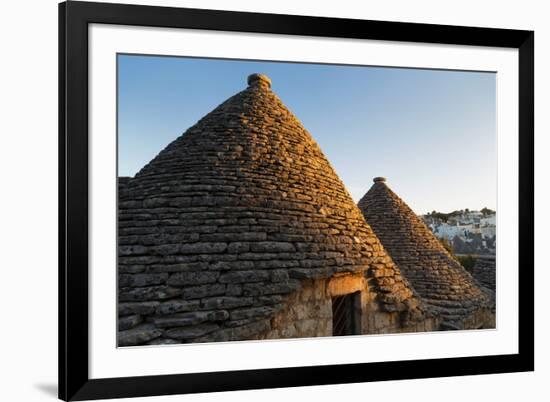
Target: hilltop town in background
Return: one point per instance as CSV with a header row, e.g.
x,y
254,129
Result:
x,y
466,231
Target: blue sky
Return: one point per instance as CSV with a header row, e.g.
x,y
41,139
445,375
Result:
x,y
432,133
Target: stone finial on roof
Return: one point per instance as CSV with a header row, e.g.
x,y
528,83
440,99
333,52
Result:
x,y
260,80
379,179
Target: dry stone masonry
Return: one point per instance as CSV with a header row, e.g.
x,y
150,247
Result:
x,y
484,271
241,229
439,279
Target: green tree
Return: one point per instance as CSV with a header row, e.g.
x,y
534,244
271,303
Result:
x,y
468,262
486,211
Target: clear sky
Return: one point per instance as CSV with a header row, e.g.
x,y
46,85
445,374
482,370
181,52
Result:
x,y
432,133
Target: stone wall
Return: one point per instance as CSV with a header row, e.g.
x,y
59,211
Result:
x,y
305,313
308,313
484,271
480,319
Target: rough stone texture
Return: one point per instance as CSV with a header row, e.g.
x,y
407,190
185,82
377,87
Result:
x,y
122,182
128,322
138,335
137,308
308,313
438,278
238,211
484,271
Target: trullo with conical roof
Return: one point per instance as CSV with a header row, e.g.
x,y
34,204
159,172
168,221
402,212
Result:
x,y
240,229
439,279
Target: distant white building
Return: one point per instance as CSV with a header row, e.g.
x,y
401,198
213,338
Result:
x,y
476,230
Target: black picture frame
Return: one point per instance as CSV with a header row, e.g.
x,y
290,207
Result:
x,y
74,381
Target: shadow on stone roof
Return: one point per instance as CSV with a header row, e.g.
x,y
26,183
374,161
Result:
x,y
230,219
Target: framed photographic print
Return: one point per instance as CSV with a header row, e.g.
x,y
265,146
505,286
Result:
x,y
257,200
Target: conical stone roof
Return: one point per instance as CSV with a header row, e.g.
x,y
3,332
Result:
x,y
438,278
233,215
